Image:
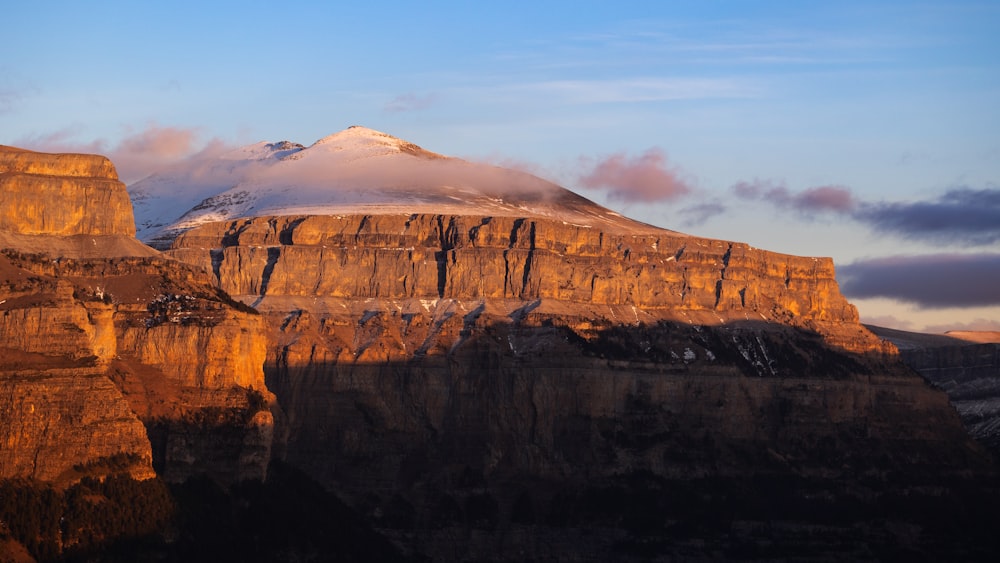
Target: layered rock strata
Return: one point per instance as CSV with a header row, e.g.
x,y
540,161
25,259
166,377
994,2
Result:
x,y
110,351
688,279
59,410
62,194
491,388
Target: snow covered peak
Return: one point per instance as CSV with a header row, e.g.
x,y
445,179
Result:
x,y
362,141
357,170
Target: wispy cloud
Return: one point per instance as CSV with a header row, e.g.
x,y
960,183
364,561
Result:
x,y
645,178
410,102
820,199
697,215
928,281
960,215
8,98
13,90
62,140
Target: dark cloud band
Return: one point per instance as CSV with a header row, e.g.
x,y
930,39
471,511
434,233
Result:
x,y
961,215
931,281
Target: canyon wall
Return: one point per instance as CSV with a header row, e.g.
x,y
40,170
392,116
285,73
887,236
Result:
x,y
110,355
62,194
478,388
496,388
59,411
667,274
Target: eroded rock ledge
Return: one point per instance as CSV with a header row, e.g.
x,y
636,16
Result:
x,y
689,279
62,194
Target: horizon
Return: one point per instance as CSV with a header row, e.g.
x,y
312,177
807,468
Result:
x,y
863,131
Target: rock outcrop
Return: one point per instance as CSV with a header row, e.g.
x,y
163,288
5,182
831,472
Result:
x,y
397,257
62,194
109,351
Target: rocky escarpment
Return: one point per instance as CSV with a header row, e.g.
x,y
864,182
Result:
x,y
503,388
62,194
662,273
60,410
110,351
970,374
176,355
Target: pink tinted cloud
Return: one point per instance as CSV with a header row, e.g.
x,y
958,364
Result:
x,y
837,199
646,178
825,198
159,142
136,155
60,141
153,148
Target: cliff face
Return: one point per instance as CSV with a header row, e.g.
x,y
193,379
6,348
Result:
x,y
59,408
684,278
57,194
110,352
495,387
966,366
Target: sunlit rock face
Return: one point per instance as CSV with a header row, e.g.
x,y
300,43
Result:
x,y
58,409
524,383
62,194
112,357
659,273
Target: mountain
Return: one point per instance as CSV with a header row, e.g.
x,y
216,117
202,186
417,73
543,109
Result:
x,y
357,170
451,362
488,374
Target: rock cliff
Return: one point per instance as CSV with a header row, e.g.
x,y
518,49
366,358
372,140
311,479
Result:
x,y
110,351
59,194
493,388
59,411
661,273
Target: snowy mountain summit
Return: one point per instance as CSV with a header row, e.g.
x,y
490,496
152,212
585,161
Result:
x,y
355,171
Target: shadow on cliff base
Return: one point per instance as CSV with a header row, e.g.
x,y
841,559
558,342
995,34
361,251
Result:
x,y
670,440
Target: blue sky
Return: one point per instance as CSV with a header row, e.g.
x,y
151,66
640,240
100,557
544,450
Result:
x,y
865,131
